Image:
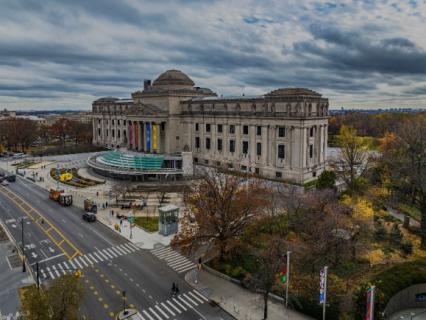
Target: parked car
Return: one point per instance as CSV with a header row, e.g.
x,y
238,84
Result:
x,y
11,178
89,217
5,183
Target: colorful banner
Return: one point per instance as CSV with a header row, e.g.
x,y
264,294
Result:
x,y
323,275
130,134
154,137
136,136
370,304
148,137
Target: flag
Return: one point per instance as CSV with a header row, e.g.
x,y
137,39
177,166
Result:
x,y
370,304
323,276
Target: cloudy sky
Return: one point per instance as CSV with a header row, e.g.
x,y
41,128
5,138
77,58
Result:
x,y
64,54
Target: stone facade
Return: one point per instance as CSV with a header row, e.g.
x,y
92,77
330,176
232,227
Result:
x,y
282,134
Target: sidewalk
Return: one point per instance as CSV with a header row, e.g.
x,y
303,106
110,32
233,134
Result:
x,y
239,302
140,237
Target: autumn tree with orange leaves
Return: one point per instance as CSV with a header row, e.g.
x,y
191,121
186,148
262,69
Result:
x,y
220,207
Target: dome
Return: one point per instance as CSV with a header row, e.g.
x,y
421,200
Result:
x,y
173,78
293,92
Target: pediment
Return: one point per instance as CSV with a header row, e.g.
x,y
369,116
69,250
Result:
x,y
144,109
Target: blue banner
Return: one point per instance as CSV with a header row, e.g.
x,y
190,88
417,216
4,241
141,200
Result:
x,y
148,137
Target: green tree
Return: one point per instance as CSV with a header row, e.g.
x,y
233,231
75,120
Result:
x,y
326,180
353,160
61,300
405,158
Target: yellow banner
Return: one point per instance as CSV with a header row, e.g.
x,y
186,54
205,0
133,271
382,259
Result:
x,y
154,137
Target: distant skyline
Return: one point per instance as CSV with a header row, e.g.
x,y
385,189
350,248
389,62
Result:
x,y
64,54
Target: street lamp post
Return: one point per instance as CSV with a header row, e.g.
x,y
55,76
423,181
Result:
x,y
23,245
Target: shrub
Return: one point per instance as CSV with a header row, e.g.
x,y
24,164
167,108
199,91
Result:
x,y
380,231
396,234
407,247
326,180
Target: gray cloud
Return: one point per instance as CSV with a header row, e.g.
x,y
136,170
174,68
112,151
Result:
x,y
67,53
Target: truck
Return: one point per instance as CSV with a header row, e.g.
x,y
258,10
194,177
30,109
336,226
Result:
x,y
64,199
90,206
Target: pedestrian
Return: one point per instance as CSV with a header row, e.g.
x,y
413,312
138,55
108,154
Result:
x,y
121,222
106,203
97,193
173,289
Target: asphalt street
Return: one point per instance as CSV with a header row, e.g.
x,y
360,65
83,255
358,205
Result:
x,y
60,241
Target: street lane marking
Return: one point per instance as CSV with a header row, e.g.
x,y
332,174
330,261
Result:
x,y
47,227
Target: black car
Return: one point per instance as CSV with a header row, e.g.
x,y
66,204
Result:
x,y
89,217
11,178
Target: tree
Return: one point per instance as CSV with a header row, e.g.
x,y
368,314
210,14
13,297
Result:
x,y
222,206
270,255
405,158
61,300
353,159
120,189
326,180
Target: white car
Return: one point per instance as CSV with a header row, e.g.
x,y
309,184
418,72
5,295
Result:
x,y
5,183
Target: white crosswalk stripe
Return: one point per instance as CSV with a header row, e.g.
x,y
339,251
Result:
x,y
174,259
147,314
161,311
88,259
154,313
173,306
168,309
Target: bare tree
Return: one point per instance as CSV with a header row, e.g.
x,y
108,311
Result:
x,y
222,206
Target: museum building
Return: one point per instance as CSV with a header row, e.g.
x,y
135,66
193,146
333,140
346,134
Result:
x,y
279,135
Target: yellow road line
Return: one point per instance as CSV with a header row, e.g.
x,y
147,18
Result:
x,y
12,195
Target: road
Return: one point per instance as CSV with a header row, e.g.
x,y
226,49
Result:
x,y
60,241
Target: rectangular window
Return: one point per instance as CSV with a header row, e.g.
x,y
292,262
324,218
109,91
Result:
x,y
230,165
99,132
256,170
219,144
259,149
113,133
232,129
118,121
197,142
245,129
118,133
197,127
232,146
243,168
245,147
107,132
311,132
219,128
259,130
208,127
278,174
99,121
206,161
311,151
125,122
195,159
281,132
208,143
218,163
112,121
281,151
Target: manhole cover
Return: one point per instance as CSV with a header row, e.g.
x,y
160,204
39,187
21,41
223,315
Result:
x,y
14,261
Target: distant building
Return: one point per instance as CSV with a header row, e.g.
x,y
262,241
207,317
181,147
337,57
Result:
x,y
281,135
6,113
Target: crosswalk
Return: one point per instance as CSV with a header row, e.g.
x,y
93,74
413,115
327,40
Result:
x,y
174,259
174,306
84,261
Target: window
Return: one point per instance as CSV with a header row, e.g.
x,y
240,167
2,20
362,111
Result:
x,y
118,133
195,159
218,163
243,168
118,122
281,151
99,121
232,128
206,161
311,151
278,174
259,149
219,128
311,132
281,132
99,132
219,144
245,147
107,133
197,127
208,143
245,129
197,142
125,122
314,174
259,130
231,145
230,165
256,170
208,127
124,133
113,133
112,121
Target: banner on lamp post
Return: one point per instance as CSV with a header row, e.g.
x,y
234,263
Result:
x,y
370,304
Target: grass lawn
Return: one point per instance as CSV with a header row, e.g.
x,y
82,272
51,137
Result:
x,y
410,211
147,223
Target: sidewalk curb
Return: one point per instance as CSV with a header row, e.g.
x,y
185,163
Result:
x,y
197,287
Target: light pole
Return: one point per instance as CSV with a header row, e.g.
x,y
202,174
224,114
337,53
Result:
x,y
23,245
